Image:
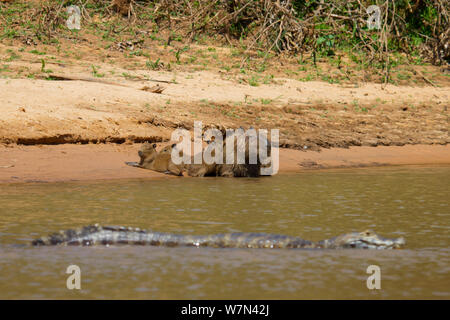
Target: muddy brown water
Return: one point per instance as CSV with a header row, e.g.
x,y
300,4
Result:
x,y
412,202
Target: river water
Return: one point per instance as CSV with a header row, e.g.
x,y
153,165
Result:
x,y
412,202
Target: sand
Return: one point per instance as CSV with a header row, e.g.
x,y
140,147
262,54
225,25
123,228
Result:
x,y
72,162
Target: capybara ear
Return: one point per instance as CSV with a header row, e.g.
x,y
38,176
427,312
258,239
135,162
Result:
x,y
174,145
154,145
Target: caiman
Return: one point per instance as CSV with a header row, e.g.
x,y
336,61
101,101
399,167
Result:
x,y
111,235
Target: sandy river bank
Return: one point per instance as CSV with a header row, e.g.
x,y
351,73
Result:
x,y
72,162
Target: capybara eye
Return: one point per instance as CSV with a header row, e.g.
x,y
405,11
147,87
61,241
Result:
x,y
154,145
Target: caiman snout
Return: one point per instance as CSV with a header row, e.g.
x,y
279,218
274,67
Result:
x,y
368,240
398,243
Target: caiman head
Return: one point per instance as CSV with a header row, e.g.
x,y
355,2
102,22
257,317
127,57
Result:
x,y
364,240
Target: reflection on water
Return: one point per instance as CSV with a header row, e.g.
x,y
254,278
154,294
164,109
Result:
x,y
408,202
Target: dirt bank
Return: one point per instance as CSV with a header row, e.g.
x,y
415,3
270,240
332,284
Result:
x,y
48,97
51,99
313,114
106,161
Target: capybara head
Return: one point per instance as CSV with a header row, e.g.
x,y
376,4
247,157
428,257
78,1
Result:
x,y
147,150
168,149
